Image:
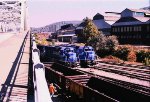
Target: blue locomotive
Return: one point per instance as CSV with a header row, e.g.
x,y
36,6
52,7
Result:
x,y
86,55
63,54
68,54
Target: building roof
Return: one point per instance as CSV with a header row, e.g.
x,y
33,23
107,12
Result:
x,y
148,22
127,21
111,19
102,21
69,35
101,24
98,16
131,21
139,10
142,19
81,25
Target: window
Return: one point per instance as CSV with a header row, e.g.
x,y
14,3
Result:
x,y
124,29
148,28
139,28
130,29
113,29
138,13
139,36
121,29
134,29
127,29
147,36
118,29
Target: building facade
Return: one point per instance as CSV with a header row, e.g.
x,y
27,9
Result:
x,y
133,27
66,33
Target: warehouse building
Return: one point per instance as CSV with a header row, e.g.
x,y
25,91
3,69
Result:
x,y
133,27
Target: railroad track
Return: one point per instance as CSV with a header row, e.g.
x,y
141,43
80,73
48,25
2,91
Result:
x,y
130,86
125,65
138,73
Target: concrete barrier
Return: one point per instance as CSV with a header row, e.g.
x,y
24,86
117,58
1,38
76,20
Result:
x,y
41,92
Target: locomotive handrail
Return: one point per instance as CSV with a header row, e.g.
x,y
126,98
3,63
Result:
x,y
41,92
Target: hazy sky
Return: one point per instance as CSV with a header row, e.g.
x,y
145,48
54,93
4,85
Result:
x,y
44,12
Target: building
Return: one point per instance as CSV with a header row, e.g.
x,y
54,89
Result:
x,y
66,33
66,29
133,27
67,38
102,22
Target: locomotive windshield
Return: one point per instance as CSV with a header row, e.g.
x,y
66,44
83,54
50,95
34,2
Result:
x,y
69,50
88,49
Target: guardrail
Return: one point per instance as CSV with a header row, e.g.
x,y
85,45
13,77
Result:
x,y
41,92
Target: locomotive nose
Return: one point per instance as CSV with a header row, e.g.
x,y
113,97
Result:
x,y
90,55
72,57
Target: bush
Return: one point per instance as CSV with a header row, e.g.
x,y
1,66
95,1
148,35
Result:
x,y
104,52
142,54
53,42
146,61
122,52
112,59
131,56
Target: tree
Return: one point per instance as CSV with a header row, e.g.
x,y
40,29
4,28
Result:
x,y
97,42
89,30
95,38
111,43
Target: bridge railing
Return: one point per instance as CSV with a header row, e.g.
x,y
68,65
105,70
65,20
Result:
x,y
41,92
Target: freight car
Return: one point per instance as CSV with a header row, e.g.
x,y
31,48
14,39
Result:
x,y
75,84
91,88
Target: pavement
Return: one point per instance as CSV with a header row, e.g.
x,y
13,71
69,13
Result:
x,y
14,65
5,36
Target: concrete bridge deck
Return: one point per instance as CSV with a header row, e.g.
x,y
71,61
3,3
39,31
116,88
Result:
x,y
14,67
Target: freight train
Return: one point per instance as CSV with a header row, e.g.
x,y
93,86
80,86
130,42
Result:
x,y
68,54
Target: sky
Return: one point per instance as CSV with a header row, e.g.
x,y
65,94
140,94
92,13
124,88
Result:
x,y
45,12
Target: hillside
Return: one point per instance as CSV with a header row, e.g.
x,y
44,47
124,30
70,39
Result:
x,y
146,8
54,27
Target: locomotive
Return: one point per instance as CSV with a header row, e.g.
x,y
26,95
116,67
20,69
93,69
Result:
x,y
62,54
68,54
86,55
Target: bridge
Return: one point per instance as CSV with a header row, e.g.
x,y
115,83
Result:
x,y
22,76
